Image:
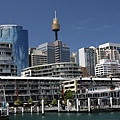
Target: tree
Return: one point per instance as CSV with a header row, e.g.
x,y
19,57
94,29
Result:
x,y
69,94
54,102
30,101
17,102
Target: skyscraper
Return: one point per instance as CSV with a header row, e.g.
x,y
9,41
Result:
x,y
49,50
56,51
19,38
62,52
87,60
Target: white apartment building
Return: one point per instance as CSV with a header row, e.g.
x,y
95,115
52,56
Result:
x,y
107,67
63,69
109,51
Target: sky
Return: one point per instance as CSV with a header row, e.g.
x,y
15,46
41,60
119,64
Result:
x,y
83,23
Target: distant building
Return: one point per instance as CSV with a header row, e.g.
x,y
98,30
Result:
x,y
109,51
62,52
74,57
36,57
7,65
107,67
63,69
49,50
52,52
84,72
19,38
87,60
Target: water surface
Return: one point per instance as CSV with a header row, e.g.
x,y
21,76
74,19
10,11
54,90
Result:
x,y
68,116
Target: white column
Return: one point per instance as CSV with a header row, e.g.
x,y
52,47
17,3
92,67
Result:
x,y
88,104
111,102
98,102
68,105
22,109
77,105
58,105
31,109
7,105
42,107
15,110
37,109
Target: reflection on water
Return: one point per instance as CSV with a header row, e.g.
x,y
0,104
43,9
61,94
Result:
x,y
67,116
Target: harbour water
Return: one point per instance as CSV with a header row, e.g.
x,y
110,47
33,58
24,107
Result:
x,y
67,116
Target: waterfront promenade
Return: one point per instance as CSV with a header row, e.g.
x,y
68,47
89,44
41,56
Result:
x,y
72,109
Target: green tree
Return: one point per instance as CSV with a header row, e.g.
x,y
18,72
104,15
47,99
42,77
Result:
x,y
69,94
17,102
30,100
54,102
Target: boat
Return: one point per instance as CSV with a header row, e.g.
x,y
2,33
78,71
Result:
x,y
3,107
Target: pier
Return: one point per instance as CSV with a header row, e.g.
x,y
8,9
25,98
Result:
x,y
81,106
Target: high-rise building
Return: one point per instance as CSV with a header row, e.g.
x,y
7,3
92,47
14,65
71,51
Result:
x,y
7,65
87,59
49,50
19,38
56,51
62,52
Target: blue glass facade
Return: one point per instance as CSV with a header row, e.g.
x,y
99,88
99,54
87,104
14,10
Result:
x,y
19,38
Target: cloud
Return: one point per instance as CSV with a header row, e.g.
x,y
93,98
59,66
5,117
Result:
x,y
78,25
103,27
85,21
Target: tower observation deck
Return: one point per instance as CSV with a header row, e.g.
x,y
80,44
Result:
x,y
55,27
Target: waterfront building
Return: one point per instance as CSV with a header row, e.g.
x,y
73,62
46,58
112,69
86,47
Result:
x,y
87,60
76,84
36,57
63,69
7,65
36,88
19,38
107,67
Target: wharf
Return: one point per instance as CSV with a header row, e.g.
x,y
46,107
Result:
x,y
4,117
83,110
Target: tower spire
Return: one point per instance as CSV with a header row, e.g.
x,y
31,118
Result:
x,y
55,27
55,14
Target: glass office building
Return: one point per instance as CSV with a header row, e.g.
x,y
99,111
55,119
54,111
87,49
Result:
x,y
19,38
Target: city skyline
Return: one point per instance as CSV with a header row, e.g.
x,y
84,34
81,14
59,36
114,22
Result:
x,y
94,22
